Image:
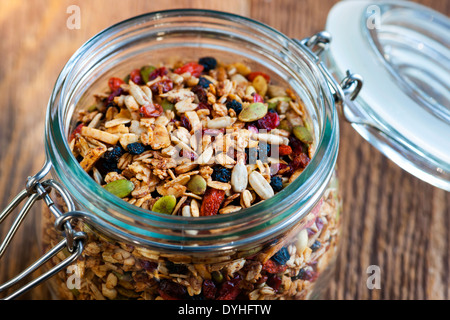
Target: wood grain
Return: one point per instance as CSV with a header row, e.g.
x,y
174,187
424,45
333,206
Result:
x,y
392,219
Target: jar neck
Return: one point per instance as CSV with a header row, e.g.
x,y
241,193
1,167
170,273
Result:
x,y
115,49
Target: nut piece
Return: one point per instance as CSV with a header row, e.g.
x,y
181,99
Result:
x,y
260,185
239,177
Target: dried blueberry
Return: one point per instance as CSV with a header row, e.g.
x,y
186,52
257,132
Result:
x,y
114,154
221,174
135,148
282,256
276,183
235,105
316,245
208,63
203,82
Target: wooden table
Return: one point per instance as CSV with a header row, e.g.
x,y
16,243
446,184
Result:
x,y
393,220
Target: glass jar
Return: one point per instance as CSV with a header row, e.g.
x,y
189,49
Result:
x,y
111,249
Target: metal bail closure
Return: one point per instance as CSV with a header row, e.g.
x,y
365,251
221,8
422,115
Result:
x,y
72,241
349,87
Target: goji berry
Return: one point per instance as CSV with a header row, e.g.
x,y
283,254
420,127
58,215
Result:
x,y
284,150
136,77
115,83
193,68
252,75
150,111
272,267
212,200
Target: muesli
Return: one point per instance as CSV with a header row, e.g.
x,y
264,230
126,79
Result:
x,y
198,139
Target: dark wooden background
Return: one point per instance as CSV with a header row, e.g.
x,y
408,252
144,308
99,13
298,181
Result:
x,y
392,219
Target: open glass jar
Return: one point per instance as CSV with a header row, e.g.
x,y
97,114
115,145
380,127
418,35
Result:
x,y
108,248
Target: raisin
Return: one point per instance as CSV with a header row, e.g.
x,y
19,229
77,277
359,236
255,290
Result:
x,y
114,94
135,148
170,290
162,86
151,111
221,174
235,105
270,121
296,145
200,93
148,265
208,63
276,183
209,289
159,72
212,200
282,256
300,161
306,274
136,77
204,83
186,123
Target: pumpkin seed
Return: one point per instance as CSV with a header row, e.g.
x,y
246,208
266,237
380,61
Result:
x,y
166,105
146,71
120,188
165,204
197,185
303,134
253,112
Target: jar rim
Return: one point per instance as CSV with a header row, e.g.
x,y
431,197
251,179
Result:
x,y
308,186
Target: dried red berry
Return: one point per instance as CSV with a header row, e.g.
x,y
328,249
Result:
x,y
300,161
114,94
170,290
257,98
159,72
229,290
115,83
162,86
76,131
201,94
284,150
272,267
212,200
150,111
209,289
274,281
136,77
193,68
185,123
269,122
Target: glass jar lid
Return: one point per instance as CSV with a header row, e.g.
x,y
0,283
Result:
x,y
402,50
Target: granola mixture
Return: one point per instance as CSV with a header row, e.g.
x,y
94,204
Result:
x,y
198,139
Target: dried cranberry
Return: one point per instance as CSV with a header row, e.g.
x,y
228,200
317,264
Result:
x,y
274,281
162,86
272,267
229,290
170,290
296,145
136,77
76,131
257,98
159,72
151,111
114,94
269,122
209,289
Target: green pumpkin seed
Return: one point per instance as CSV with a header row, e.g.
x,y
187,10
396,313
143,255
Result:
x,y
120,188
146,71
197,185
166,105
253,112
303,134
165,204
285,125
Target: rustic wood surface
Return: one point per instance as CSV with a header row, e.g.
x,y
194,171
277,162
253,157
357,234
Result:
x,y
392,220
